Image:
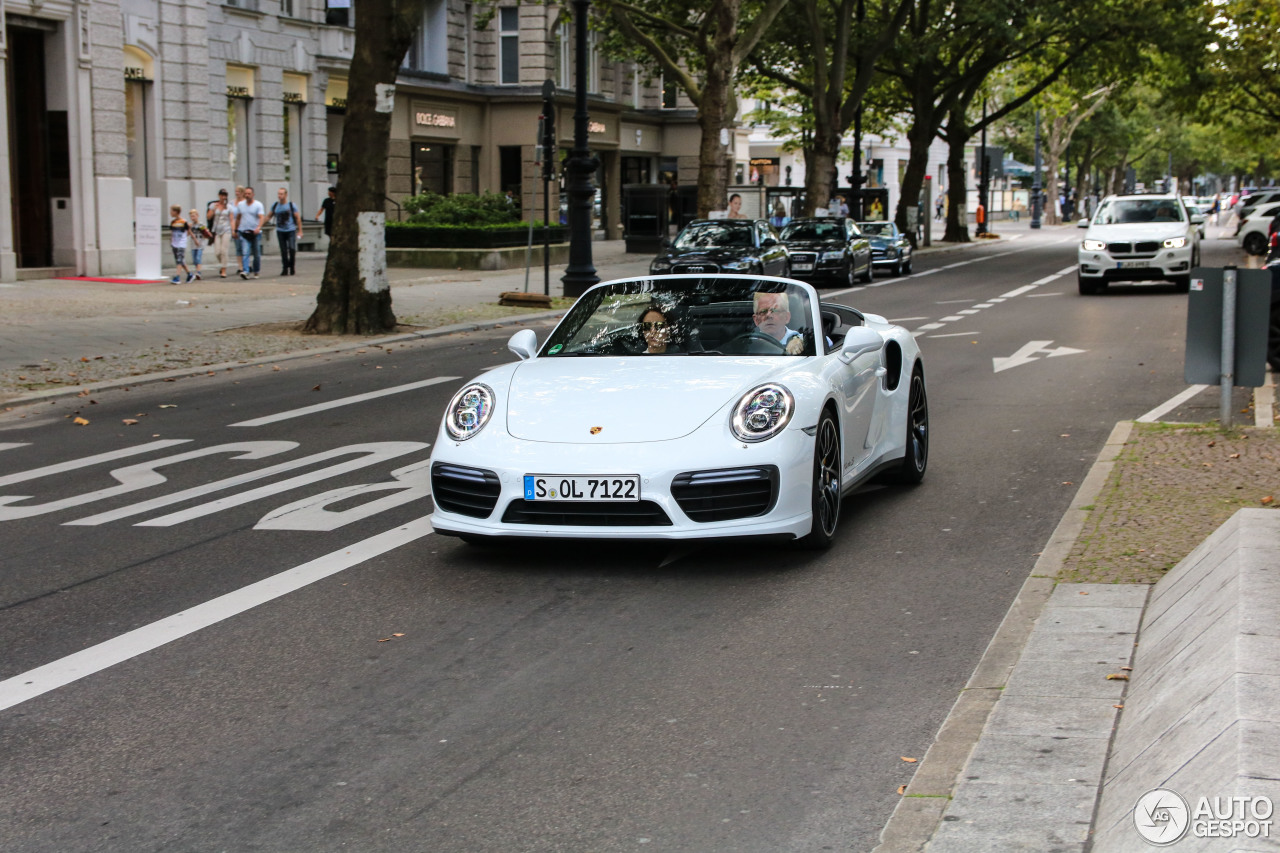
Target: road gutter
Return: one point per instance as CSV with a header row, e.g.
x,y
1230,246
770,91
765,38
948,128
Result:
x,y
929,792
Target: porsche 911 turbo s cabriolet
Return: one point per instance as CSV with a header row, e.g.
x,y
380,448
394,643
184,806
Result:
x,y
684,407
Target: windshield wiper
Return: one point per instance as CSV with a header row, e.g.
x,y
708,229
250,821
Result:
x,y
707,352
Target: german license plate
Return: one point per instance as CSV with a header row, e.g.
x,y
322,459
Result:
x,y
1133,265
802,267
560,487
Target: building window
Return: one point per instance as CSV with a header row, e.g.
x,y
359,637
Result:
x,y
511,172
469,26
429,50
509,44
670,94
432,168
338,13
286,8
593,62
564,55
238,135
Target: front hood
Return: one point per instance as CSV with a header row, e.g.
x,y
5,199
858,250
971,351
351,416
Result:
x,y
712,255
630,398
1135,231
815,245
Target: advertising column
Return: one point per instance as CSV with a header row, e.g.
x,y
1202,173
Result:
x,y
147,237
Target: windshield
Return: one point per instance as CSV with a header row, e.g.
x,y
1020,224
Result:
x,y
813,231
876,229
710,235
687,316
1138,210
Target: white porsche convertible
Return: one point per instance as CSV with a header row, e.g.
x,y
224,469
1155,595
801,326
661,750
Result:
x,y
684,407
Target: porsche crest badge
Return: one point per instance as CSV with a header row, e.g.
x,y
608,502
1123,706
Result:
x,y
596,430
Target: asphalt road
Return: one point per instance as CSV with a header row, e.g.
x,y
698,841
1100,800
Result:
x,y
361,684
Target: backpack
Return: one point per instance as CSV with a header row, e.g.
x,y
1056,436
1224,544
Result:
x,y
282,218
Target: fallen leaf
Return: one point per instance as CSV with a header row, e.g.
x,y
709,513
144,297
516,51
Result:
x,y
1213,443
84,393
1208,464
129,421
317,388
1084,593
361,350
902,789
397,635
1067,483
1127,668
1117,676
80,422
1234,456
1065,435
1117,706
909,760
82,358
1268,499
168,405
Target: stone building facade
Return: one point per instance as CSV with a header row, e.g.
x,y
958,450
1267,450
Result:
x,y
112,100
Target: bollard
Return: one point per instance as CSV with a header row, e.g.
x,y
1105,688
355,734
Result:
x,y
1228,342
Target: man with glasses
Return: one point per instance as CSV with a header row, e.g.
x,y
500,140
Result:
x,y
771,314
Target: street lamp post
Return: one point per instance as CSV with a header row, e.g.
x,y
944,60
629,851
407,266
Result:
x,y
1035,185
580,274
983,186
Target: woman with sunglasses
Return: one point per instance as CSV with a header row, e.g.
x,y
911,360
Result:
x,y
656,331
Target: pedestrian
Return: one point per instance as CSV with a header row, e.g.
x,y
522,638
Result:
x,y
201,236
178,231
247,223
235,239
220,225
937,209
325,213
288,221
1216,209
842,207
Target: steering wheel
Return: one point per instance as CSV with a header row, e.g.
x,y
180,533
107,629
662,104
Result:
x,y
750,340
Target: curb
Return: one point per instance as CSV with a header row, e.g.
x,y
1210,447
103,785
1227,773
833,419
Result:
x,y
927,795
207,369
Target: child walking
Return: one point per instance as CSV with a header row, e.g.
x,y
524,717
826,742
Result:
x,y
178,230
200,237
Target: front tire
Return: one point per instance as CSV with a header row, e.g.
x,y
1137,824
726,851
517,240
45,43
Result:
x,y
917,458
1088,287
1255,243
825,489
906,268
870,275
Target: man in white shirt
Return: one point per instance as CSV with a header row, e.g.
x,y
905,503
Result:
x,y
247,222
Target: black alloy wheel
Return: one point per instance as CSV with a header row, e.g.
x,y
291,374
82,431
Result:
x,y
870,275
1255,243
916,459
825,501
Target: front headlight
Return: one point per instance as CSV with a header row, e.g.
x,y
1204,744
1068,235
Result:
x,y
469,411
762,412
735,265
832,256
660,264
1175,242
1094,245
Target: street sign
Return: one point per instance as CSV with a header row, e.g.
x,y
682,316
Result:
x,y
1204,327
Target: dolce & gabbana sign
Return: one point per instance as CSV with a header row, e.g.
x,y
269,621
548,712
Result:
x,y
427,116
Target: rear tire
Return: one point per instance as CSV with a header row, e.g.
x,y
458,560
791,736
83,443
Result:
x,y
825,489
1255,243
917,458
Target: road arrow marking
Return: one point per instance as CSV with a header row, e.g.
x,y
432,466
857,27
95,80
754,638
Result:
x,y
1031,352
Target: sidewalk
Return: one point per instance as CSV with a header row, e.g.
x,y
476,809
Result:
x,y
58,336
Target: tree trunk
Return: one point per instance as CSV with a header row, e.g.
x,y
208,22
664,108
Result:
x,y
957,230
354,296
924,127
819,166
716,109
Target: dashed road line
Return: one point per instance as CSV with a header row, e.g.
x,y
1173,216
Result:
x,y
956,335
345,401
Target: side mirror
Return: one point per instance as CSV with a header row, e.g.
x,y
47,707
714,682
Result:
x,y
768,242
666,243
859,341
524,343
1197,219
1083,223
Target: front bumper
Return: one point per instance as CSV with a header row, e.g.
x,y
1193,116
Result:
x,y
1163,265
658,464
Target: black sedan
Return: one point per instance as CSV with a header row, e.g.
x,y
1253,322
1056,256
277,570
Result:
x,y
723,245
827,250
889,246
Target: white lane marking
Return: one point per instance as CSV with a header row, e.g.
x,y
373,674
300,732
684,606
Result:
x,y
906,319
408,484
950,319
1038,295
927,326
1067,270
73,464
983,305
996,299
924,272
375,453
1030,352
953,266
143,475
968,311
956,335
378,449
1017,291
1264,401
11,445
345,401
51,676
953,301
1169,405
1047,279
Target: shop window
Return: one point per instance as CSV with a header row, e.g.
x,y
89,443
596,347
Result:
x,y
432,168
510,171
238,141
635,170
509,44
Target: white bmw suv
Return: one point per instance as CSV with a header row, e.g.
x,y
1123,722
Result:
x,y
1139,238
